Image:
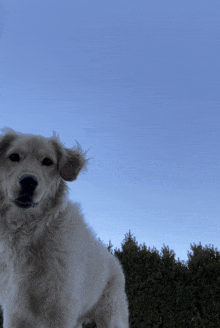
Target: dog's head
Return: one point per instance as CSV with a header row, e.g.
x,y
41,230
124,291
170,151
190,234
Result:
x,y
32,167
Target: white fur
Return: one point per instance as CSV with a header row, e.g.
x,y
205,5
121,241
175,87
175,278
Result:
x,y
53,271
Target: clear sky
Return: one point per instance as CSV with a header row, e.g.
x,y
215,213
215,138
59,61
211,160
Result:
x,y
138,84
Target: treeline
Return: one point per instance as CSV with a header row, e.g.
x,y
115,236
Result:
x,y
167,293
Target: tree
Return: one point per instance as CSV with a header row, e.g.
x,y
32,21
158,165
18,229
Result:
x,y
204,269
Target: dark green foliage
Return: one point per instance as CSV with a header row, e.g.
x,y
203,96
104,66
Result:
x,y
166,293
1,318
204,274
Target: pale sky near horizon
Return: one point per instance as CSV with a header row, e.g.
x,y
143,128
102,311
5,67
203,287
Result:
x,y
136,84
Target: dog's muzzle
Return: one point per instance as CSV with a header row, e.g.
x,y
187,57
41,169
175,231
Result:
x,y
27,184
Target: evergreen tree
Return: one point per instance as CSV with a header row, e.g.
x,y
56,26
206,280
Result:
x,y
204,269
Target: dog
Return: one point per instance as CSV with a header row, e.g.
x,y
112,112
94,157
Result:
x,y
53,271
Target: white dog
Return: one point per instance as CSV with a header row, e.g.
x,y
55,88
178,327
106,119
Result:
x,y
53,272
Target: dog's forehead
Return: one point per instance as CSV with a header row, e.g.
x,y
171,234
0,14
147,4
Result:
x,y
34,145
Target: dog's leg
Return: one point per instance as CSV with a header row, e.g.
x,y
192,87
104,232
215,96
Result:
x,y
116,320
112,308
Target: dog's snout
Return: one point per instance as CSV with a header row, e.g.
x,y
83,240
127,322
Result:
x,y
28,182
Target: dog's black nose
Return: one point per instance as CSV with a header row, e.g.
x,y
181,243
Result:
x,y
28,183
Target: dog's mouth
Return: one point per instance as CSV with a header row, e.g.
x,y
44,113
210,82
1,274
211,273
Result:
x,y
25,201
24,205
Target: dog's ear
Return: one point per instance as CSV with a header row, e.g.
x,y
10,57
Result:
x,y
71,163
6,140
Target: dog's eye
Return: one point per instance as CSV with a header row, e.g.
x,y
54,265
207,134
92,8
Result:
x,y
14,157
47,161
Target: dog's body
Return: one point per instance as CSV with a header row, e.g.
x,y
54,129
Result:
x,y
53,272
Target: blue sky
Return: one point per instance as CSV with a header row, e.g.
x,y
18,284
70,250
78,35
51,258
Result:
x,y
136,83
